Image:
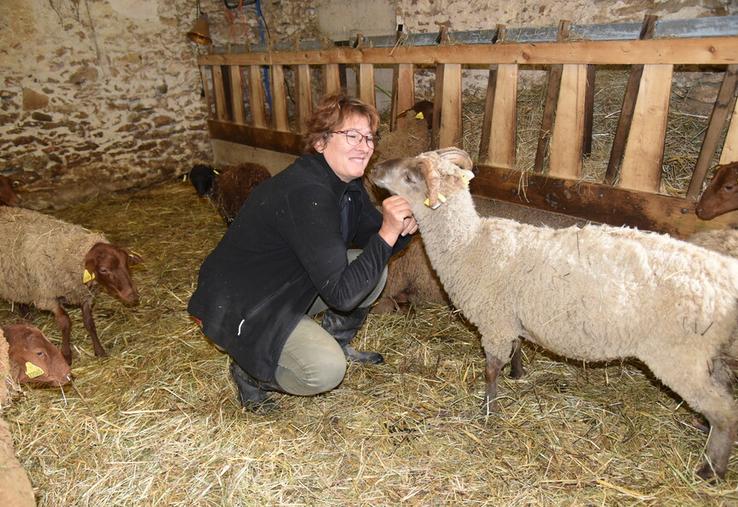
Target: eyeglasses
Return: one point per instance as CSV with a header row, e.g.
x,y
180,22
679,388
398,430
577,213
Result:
x,y
354,137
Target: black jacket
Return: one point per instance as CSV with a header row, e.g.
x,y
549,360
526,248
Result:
x,y
286,246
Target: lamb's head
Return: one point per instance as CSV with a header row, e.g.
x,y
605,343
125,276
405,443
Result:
x,y
430,177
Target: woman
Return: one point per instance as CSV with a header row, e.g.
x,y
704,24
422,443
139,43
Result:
x,y
286,257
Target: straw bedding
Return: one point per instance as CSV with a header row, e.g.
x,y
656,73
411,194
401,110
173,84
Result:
x,y
157,422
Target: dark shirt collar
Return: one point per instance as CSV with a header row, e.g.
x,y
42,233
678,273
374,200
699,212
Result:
x,y
337,184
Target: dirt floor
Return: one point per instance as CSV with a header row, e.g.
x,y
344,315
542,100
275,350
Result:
x,y
157,422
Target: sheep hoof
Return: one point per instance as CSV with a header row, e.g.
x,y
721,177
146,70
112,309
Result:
x,y
708,474
516,373
490,406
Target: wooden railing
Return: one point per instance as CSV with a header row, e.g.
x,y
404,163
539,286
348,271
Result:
x,y
629,193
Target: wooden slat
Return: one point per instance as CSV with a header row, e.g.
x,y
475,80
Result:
x,y
285,142
626,111
707,50
500,123
549,106
221,110
730,146
257,99
645,148
403,94
720,112
366,84
332,78
588,110
236,94
449,132
280,120
304,96
595,201
565,160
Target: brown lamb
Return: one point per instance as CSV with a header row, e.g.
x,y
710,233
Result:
x,y
229,188
33,358
50,263
721,195
8,197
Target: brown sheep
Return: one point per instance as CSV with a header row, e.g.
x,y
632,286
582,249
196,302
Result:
x,y
721,195
8,197
229,188
33,358
47,262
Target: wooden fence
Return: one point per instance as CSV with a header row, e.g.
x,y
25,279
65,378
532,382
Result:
x,y
242,110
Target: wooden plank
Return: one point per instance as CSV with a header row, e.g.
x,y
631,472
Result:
x,y
449,133
280,120
730,146
720,112
285,142
626,111
304,96
595,201
549,106
366,84
221,110
499,130
565,160
644,151
257,99
403,94
589,110
332,78
236,94
708,50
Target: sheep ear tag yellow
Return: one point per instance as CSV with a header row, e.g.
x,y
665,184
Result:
x,y
467,176
33,371
87,277
420,116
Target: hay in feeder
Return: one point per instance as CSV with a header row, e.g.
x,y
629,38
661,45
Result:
x,y
157,422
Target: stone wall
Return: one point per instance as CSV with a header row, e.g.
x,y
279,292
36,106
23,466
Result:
x,y
97,95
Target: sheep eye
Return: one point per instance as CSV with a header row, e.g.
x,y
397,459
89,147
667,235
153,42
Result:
x,y
104,271
729,188
41,353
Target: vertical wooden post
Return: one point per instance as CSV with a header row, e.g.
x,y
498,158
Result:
x,y
565,160
221,110
449,131
552,93
589,110
730,146
304,96
279,100
644,150
720,113
403,94
626,112
366,83
206,89
236,94
257,99
332,78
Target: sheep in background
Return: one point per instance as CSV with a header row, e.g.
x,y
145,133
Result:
x,y
229,188
50,263
8,197
724,241
33,358
721,195
594,293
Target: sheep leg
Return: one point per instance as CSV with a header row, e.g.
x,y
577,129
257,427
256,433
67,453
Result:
x,y
91,329
516,362
491,371
65,324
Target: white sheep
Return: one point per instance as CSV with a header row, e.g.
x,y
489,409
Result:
x,y
50,263
594,293
724,241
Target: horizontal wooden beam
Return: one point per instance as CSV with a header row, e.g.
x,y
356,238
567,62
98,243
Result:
x,y
595,201
708,51
285,142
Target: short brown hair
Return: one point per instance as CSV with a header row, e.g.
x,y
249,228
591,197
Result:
x,y
330,114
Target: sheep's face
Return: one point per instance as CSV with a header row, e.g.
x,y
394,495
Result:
x,y
721,196
109,266
430,177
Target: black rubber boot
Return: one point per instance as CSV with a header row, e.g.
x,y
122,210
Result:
x,y
344,327
252,394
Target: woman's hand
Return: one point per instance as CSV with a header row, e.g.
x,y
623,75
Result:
x,y
398,219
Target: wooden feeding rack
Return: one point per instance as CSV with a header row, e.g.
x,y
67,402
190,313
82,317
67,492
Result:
x,y
240,112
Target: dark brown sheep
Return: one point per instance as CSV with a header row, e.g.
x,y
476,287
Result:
x,y
33,358
50,263
8,197
721,195
228,188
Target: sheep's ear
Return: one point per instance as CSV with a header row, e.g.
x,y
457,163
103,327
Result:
x,y
134,258
457,157
432,181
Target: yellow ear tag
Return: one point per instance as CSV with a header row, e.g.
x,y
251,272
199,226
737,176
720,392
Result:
x,y
216,172
420,116
427,202
87,276
441,197
33,371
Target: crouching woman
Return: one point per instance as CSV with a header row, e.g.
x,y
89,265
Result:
x,y
305,241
